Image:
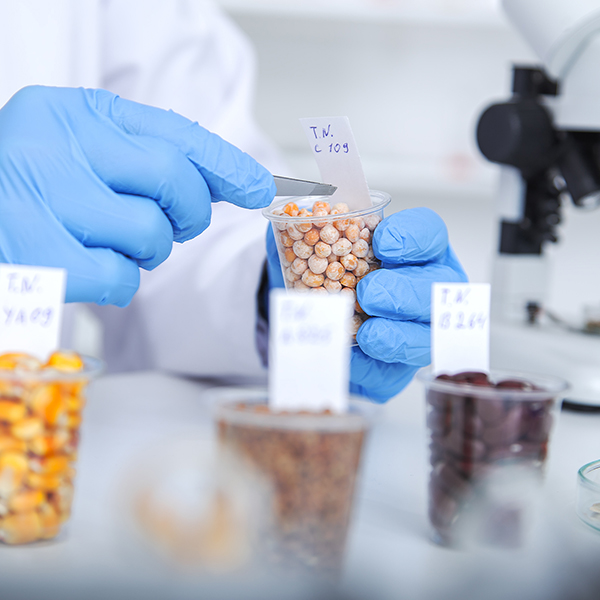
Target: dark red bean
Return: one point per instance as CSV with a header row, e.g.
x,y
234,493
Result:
x,y
505,432
451,480
438,421
473,378
438,399
490,410
443,509
514,384
462,447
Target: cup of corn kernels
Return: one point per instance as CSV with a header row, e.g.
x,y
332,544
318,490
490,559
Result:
x,y
40,417
324,247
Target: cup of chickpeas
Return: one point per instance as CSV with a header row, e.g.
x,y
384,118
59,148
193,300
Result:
x,y
40,417
324,247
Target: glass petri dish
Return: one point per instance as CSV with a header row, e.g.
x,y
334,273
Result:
x,y
588,494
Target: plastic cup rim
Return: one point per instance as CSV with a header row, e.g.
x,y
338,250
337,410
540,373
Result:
x,y
356,419
381,200
92,367
554,387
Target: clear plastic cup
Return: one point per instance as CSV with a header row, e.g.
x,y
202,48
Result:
x,y
40,417
310,461
329,253
488,449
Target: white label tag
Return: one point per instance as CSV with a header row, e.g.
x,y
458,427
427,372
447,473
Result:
x,y
309,354
460,327
335,151
31,303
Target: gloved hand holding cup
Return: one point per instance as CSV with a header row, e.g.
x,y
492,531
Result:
x,y
408,252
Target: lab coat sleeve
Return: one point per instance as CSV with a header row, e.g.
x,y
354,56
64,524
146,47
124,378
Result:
x,y
196,314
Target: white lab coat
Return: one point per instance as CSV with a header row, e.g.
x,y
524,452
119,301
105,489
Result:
x,y
196,313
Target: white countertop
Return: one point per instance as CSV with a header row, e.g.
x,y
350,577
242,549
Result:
x,y
389,552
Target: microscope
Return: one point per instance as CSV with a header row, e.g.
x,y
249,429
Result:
x,y
546,138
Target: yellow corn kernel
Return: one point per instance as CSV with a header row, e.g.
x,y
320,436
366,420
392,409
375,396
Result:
x,y
65,361
74,403
73,420
63,497
49,444
50,521
21,528
19,360
47,483
13,468
28,428
10,444
53,465
73,388
40,445
26,500
10,388
47,403
11,411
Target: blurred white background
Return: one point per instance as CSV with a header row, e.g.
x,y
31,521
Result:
x,y
413,76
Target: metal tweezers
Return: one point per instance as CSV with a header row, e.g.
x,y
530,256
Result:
x,y
286,186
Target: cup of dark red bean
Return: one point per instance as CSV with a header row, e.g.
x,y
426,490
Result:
x,y
489,436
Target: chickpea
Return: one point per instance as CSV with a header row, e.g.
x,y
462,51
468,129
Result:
x,y
302,249
362,267
291,276
317,264
329,234
360,249
352,233
299,266
341,224
343,247
333,287
322,249
293,232
340,208
312,279
306,226
355,324
350,292
300,286
291,209
312,236
286,240
321,205
349,261
335,270
289,256
371,221
348,280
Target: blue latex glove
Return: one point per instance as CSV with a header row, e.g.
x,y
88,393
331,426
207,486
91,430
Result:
x,y
393,345
102,186
414,249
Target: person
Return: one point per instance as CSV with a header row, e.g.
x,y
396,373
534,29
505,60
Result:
x,y
104,185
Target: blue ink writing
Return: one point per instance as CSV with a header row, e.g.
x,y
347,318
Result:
x,y
18,284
